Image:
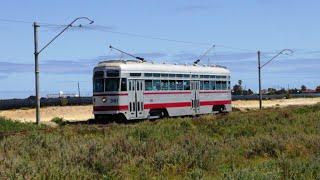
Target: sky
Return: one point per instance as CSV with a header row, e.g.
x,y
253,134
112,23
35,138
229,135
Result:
x,y
163,31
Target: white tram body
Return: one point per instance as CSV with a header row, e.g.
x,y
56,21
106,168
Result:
x,y
142,90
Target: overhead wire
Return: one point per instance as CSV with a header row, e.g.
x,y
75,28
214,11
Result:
x,y
108,29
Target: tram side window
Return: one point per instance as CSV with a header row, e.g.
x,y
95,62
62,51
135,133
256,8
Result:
x,y
148,85
229,87
123,84
201,85
99,74
112,84
179,85
212,85
113,73
206,85
218,85
172,85
156,85
98,85
164,84
223,85
186,85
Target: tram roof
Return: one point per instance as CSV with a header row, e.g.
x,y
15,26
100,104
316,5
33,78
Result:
x,y
139,66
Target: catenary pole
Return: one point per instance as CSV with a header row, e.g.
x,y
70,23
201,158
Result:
x,y
259,72
36,56
289,51
36,70
78,89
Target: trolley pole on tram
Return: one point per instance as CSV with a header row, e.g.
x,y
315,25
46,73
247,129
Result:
x,y
260,67
36,58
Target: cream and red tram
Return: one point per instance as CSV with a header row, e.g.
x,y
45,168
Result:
x,y
145,90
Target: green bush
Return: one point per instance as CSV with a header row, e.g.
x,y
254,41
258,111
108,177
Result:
x,y
58,120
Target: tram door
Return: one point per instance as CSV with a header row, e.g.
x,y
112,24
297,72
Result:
x,y
135,97
195,102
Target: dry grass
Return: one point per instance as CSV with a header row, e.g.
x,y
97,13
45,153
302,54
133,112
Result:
x,y
79,113
281,143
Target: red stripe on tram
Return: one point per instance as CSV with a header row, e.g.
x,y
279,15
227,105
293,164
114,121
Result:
x,y
110,108
167,105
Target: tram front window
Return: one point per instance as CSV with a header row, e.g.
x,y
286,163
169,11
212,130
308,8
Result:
x,y
112,84
98,85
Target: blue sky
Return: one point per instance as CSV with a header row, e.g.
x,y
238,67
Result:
x,y
238,28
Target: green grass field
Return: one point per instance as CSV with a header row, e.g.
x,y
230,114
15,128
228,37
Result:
x,y
282,143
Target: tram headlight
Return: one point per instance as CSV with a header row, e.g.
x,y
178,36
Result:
x,y
104,99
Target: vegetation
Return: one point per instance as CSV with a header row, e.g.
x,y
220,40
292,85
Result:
x,y
281,143
7,125
58,120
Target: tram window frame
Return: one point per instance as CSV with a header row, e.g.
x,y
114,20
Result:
x,y
147,74
194,76
206,85
135,74
172,82
186,84
212,76
224,85
212,85
219,85
112,87
186,75
98,81
155,74
156,85
147,85
179,84
164,75
98,74
123,85
201,85
164,85
113,73
172,75
179,75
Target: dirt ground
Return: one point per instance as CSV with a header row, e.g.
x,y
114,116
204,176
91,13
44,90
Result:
x,y
82,113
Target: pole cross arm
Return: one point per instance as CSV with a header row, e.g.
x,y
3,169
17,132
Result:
x,y
68,26
281,52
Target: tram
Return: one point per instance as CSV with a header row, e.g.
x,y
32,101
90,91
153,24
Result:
x,y
136,89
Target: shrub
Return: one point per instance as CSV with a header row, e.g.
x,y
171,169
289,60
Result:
x,y
58,120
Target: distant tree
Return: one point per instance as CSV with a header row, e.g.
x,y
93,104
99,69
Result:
x,y
294,91
237,89
281,91
318,89
240,82
250,92
303,88
271,91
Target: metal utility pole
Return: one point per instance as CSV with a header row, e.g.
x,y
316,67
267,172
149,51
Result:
x,y
36,56
36,70
259,72
261,66
78,90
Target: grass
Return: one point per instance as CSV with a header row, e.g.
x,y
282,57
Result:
x,y
7,125
280,143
